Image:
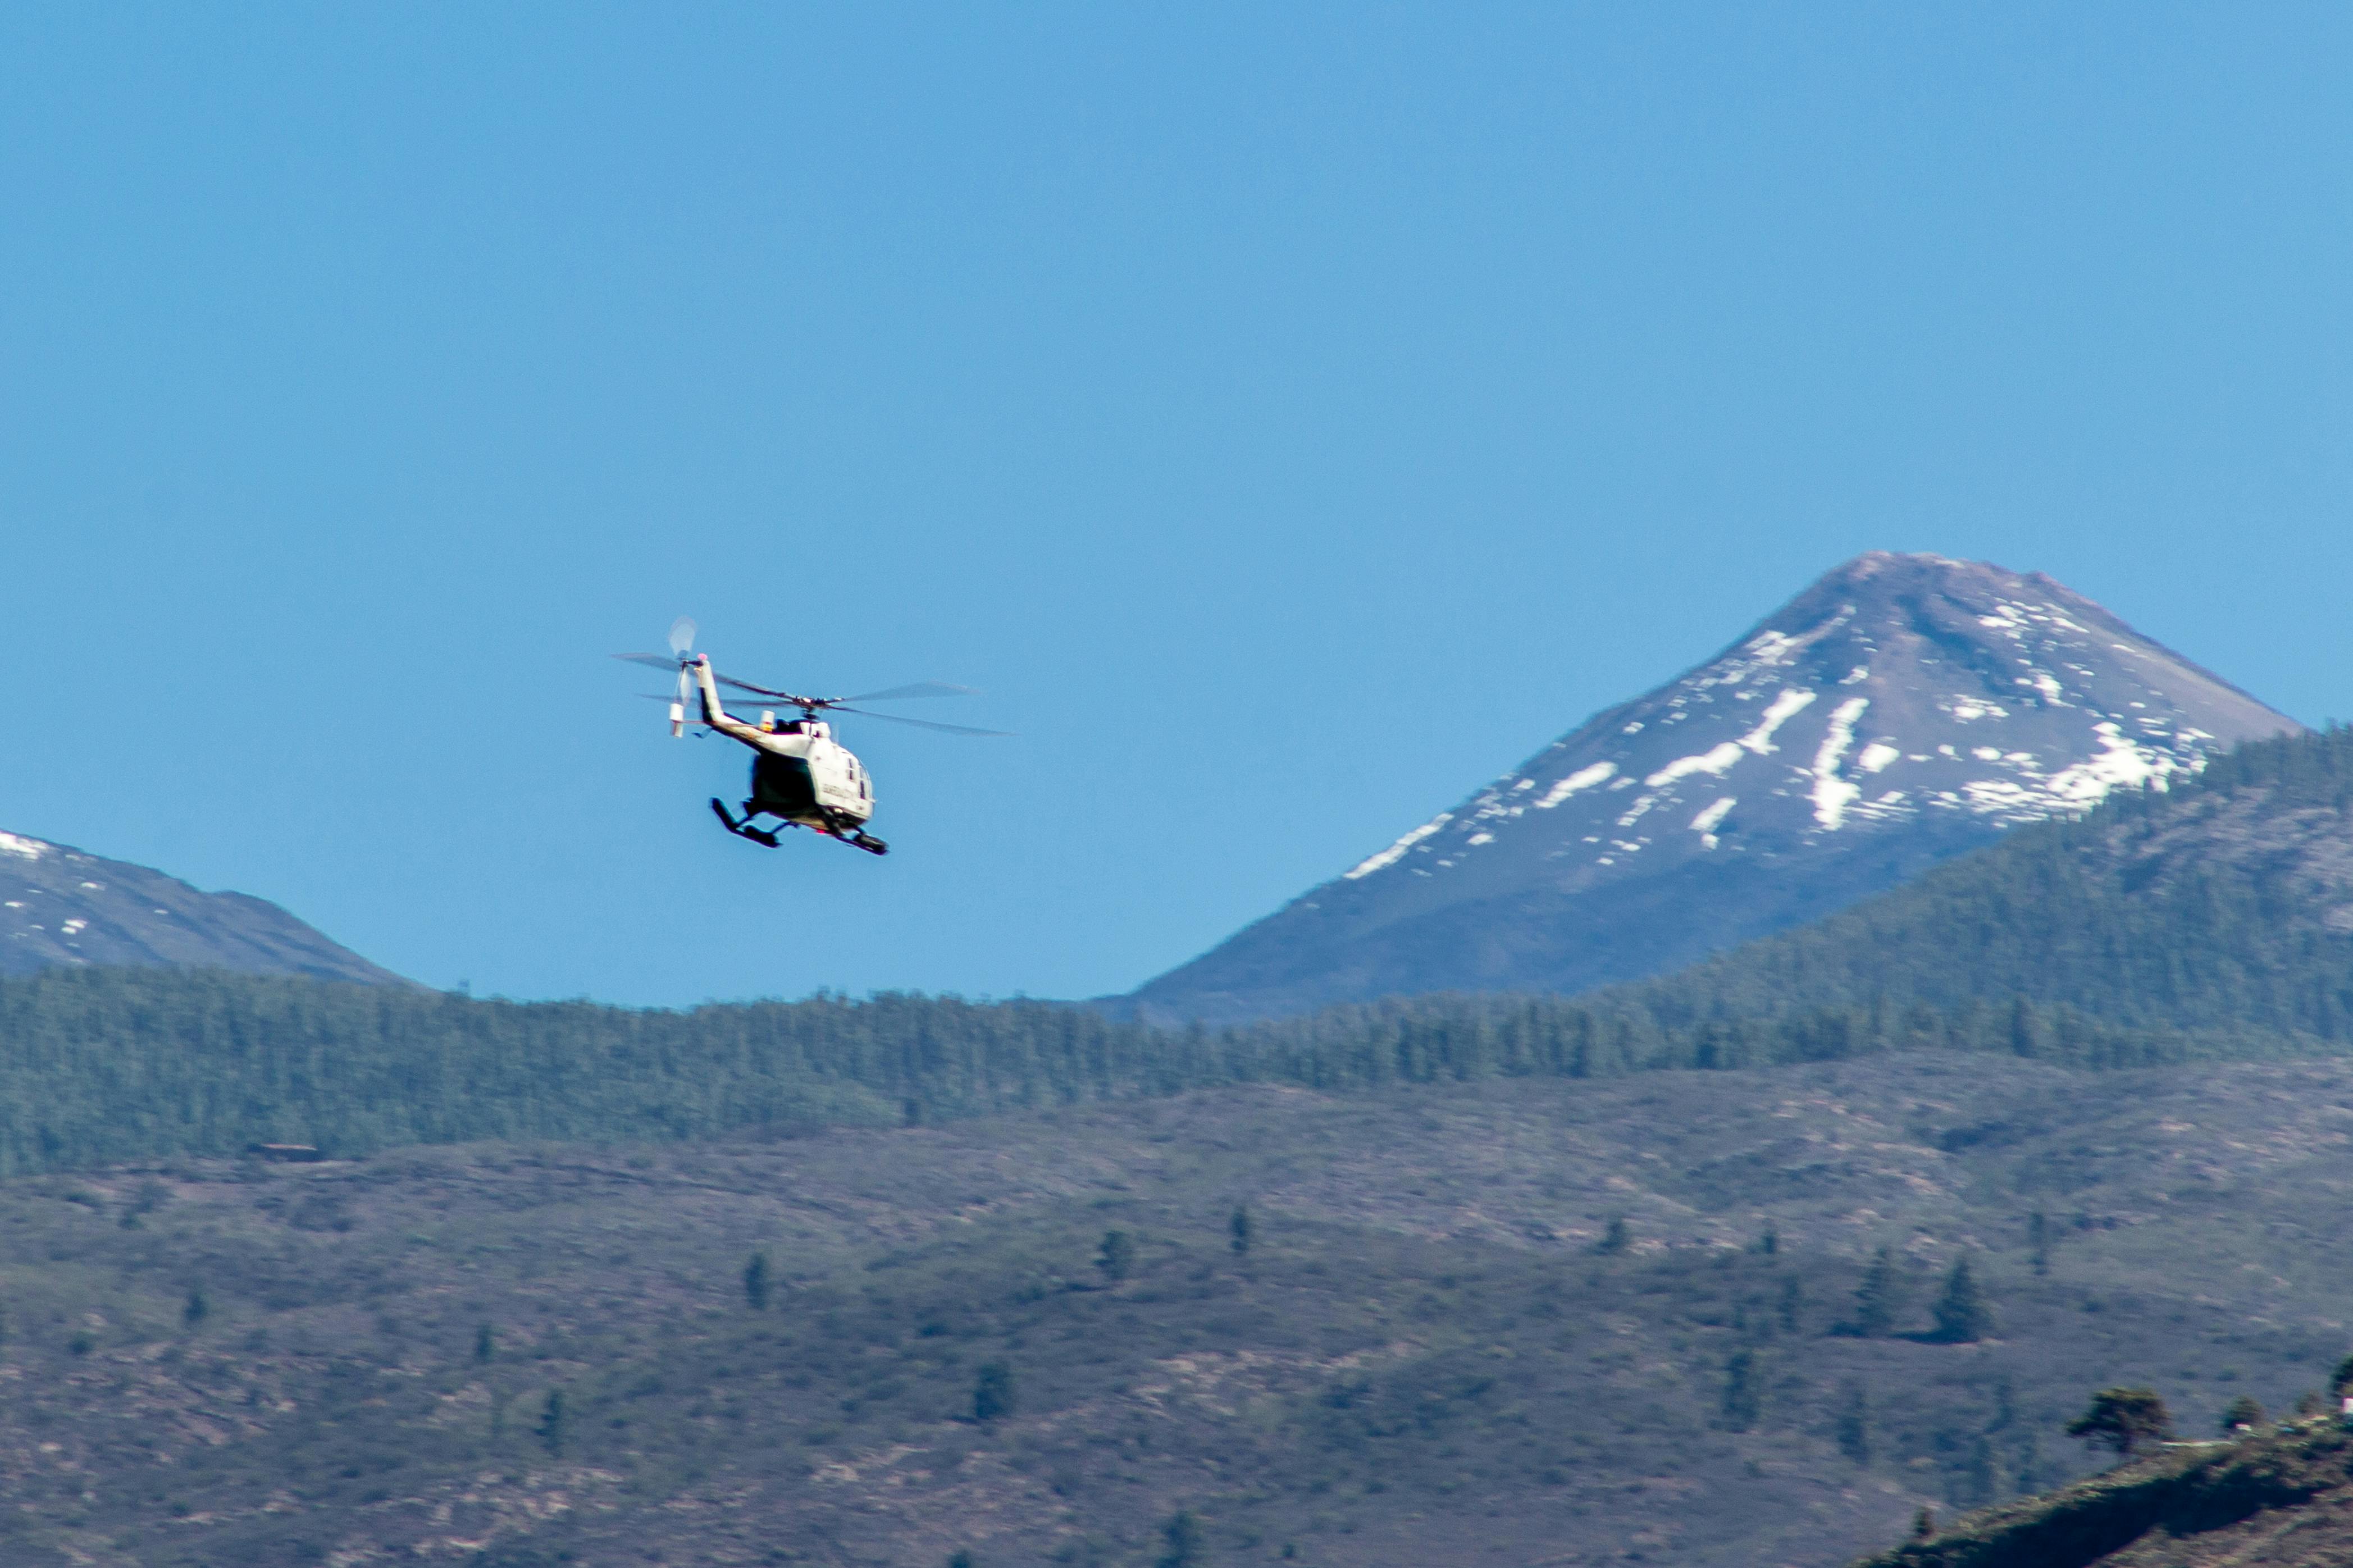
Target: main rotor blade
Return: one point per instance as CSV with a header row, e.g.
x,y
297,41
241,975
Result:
x,y
755,690
657,661
682,634
920,688
921,724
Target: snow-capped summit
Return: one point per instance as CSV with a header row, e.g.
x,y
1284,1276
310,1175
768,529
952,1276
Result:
x,y
1902,710
63,906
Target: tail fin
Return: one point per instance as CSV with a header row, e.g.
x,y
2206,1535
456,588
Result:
x,y
712,713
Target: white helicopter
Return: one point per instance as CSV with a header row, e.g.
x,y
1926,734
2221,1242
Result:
x,y
800,774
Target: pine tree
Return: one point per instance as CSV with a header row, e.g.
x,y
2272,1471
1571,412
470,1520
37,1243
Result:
x,y
551,1423
1852,1428
2038,1239
486,1344
2027,1036
1793,1301
2242,1412
1962,1316
1742,1395
1879,1300
755,1282
992,1393
1117,1258
1182,1535
194,1310
1615,1240
2123,1419
1237,1230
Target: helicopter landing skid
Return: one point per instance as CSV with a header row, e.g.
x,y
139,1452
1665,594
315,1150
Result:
x,y
854,835
743,828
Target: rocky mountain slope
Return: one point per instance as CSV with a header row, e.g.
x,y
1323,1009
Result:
x,y
1903,709
61,906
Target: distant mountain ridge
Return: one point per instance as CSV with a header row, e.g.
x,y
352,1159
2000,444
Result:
x,y
1903,709
63,906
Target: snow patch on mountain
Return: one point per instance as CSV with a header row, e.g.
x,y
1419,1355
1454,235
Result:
x,y
1832,793
1584,778
1713,761
1396,852
1760,739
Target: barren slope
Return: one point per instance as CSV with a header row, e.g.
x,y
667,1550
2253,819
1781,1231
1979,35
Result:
x,y
1423,1357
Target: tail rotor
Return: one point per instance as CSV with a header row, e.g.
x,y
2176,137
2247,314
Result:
x,y
680,659
681,644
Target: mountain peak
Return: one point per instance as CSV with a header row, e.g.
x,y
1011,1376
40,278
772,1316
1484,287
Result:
x,y
1901,709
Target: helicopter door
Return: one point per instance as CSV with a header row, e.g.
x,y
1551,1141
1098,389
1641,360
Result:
x,y
782,785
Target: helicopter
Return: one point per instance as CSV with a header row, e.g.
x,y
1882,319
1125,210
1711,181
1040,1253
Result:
x,y
800,774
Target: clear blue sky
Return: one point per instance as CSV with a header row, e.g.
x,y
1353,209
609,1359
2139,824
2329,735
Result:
x,y
1293,417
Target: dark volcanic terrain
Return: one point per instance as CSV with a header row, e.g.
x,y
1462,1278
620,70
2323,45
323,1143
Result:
x,y
1432,1351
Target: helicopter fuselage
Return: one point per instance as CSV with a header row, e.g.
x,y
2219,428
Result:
x,y
809,777
800,772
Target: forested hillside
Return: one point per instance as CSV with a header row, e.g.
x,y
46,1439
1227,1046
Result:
x,y
101,1066
2213,921
2223,905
